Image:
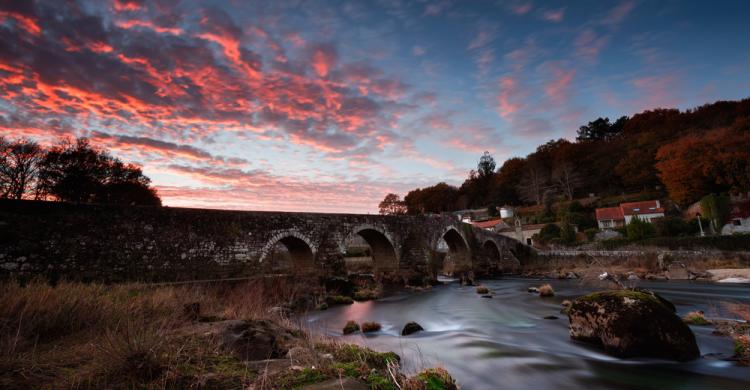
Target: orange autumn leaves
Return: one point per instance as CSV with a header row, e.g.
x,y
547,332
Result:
x,y
700,163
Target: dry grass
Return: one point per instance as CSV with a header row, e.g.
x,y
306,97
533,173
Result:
x,y
97,336
546,290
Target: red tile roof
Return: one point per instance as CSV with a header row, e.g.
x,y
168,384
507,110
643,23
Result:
x,y
638,208
613,213
488,224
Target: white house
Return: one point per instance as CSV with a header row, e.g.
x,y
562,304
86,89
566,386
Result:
x,y
739,219
613,217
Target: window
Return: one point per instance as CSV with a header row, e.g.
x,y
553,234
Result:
x,y
636,209
737,222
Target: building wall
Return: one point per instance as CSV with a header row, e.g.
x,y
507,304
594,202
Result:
x,y
644,217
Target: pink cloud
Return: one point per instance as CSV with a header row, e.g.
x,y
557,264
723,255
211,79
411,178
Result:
x,y
521,8
620,12
436,8
418,51
554,15
509,92
589,44
324,59
557,89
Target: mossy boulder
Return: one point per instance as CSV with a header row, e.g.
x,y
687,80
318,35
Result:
x,y
431,379
630,323
351,327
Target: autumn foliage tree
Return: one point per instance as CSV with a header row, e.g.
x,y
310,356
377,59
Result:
x,y
713,162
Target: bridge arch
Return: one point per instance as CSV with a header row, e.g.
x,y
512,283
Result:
x,y
288,251
492,250
459,254
382,248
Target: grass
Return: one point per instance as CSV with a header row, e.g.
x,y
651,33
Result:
x,y
431,379
135,336
546,290
696,318
339,300
368,327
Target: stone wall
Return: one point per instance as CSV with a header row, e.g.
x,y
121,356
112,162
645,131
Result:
x,y
115,243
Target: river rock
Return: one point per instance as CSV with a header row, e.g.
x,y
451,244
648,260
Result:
x,y
411,327
631,323
533,290
255,340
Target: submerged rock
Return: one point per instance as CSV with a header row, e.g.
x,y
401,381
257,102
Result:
x,y
631,323
411,327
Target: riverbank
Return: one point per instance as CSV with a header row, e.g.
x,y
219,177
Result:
x,y
221,336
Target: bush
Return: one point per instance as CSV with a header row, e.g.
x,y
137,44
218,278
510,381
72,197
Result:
x,y
368,327
639,230
548,232
675,226
567,233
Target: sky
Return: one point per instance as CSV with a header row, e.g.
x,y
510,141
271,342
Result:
x,y
328,106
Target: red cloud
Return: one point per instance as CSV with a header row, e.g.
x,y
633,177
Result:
x,y
24,21
323,59
557,88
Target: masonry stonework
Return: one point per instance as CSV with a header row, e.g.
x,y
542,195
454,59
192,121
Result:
x,y
115,243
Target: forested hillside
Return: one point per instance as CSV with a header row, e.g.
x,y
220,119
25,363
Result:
x,y
682,154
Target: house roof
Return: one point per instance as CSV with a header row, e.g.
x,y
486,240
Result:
x,y
607,213
488,224
638,208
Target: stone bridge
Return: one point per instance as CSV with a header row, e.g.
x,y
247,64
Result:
x,y
114,243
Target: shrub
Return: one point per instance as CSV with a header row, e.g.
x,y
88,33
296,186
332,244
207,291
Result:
x,y
350,327
639,230
567,233
546,290
548,232
368,327
483,290
674,226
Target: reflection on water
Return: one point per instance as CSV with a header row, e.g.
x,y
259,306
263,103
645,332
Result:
x,y
504,342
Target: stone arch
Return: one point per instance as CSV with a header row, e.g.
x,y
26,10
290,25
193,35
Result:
x,y
492,250
459,253
300,250
383,251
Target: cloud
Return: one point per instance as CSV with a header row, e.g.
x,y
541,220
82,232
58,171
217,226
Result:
x,y
557,89
507,97
521,7
437,7
554,15
418,51
588,44
619,13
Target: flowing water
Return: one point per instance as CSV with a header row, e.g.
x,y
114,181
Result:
x,y
504,342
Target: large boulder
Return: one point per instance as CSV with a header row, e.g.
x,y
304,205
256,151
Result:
x,y
630,323
255,340
411,327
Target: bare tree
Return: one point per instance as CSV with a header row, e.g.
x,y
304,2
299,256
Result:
x,y
19,167
533,183
566,179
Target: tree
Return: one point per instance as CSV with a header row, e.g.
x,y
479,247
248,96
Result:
x,y
601,130
506,182
19,165
533,183
566,179
717,161
486,166
715,208
78,172
438,198
392,205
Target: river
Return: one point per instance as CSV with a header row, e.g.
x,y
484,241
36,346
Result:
x,y
504,342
